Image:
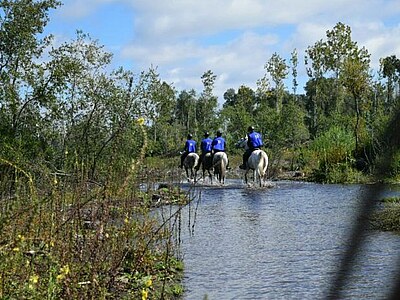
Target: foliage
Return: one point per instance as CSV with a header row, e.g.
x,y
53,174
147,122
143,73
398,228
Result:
x,y
278,69
333,151
81,240
387,218
75,138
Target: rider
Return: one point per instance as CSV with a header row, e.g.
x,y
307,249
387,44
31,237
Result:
x,y
205,147
190,146
254,142
219,145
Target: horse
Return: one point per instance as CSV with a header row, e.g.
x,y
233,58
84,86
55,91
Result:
x,y
220,161
190,162
207,165
258,162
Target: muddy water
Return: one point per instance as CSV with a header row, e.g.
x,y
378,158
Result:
x,y
283,242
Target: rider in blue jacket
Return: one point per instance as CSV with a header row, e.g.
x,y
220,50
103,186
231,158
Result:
x,y
219,145
205,147
254,142
190,146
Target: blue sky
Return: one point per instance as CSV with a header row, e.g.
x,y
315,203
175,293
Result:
x,y
232,38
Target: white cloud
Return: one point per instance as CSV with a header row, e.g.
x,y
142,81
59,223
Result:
x,y
234,38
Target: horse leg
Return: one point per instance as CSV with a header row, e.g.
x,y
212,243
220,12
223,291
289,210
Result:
x,y
245,175
259,177
223,170
194,172
187,173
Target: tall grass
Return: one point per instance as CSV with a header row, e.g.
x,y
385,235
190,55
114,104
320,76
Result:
x,y
332,155
64,236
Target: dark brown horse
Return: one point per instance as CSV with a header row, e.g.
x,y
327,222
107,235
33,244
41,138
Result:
x,y
190,163
207,165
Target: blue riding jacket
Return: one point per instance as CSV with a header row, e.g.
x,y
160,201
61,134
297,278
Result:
x,y
190,146
218,144
206,145
255,140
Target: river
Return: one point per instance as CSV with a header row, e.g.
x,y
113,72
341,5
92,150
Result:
x,y
284,242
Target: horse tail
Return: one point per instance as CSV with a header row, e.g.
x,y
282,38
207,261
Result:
x,y
263,163
219,165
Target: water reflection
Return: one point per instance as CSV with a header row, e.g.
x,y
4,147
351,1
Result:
x,y
279,243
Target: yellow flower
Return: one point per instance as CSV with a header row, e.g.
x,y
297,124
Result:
x,y
144,294
34,279
149,282
140,121
63,271
21,237
60,277
15,249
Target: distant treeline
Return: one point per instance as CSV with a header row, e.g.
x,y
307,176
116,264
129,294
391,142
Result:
x,y
62,107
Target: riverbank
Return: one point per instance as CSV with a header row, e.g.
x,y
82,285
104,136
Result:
x,y
64,236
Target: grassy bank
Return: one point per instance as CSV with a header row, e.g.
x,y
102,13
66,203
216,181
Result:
x,y
66,237
388,217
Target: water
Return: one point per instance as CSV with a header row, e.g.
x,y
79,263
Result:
x,y
283,242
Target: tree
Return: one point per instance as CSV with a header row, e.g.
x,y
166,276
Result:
x,y
294,61
356,79
22,92
238,114
186,110
207,103
278,69
330,59
390,69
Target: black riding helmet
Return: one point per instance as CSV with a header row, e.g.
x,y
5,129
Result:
x,y
250,129
189,136
219,132
206,133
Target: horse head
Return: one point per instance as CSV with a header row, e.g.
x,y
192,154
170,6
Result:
x,y
242,143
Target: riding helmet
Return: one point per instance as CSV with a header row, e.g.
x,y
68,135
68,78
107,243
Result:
x,y
219,132
206,133
251,128
189,136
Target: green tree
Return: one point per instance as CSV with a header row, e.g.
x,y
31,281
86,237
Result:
x,y
22,92
207,103
294,60
356,79
238,114
186,110
278,69
390,69
329,60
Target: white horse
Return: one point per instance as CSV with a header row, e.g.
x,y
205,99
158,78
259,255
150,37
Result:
x,y
190,163
220,161
258,162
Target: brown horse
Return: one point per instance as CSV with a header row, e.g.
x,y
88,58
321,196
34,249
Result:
x,y
190,163
207,165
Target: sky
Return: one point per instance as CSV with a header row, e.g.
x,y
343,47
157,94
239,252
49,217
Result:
x,y
232,38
